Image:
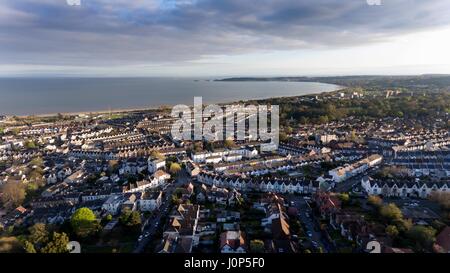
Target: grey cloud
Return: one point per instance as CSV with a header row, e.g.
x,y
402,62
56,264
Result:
x,y
103,32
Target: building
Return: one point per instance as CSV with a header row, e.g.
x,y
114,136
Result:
x,y
325,138
150,201
192,169
403,187
343,173
155,164
232,242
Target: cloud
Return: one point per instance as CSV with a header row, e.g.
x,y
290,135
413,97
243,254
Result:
x,y
140,32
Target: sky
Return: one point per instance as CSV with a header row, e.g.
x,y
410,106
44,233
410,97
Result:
x,y
221,38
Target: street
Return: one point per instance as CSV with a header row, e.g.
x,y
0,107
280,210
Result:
x,y
150,226
306,217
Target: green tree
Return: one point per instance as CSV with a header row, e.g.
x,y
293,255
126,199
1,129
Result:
x,y
392,231
130,219
391,212
13,193
403,225
29,247
124,216
57,244
198,147
283,137
134,220
30,144
37,161
229,143
344,197
156,154
323,119
304,120
257,246
175,168
38,234
422,236
84,222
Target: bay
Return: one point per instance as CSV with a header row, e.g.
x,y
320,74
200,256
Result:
x,y
32,96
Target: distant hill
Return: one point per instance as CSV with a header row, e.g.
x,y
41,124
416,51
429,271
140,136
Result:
x,y
438,81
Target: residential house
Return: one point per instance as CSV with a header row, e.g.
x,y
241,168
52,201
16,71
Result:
x,y
232,242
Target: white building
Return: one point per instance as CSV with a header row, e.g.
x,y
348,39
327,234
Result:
x,y
325,138
112,204
403,188
342,173
150,201
155,164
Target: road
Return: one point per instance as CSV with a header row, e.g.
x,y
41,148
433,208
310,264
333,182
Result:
x,y
150,226
303,208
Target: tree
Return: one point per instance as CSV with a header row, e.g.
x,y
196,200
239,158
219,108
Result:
x,y
135,219
304,120
130,219
424,237
10,244
257,246
442,198
84,222
37,161
124,216
229,143
13,193
29,247
198,147
392,231
403,224
156,154
375,200
353,136
113,165
344,197
57,244
38,234
174,168
283,137
30,144
323,119
289,130
391,212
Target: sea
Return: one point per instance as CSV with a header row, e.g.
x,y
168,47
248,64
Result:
x,y
38,96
